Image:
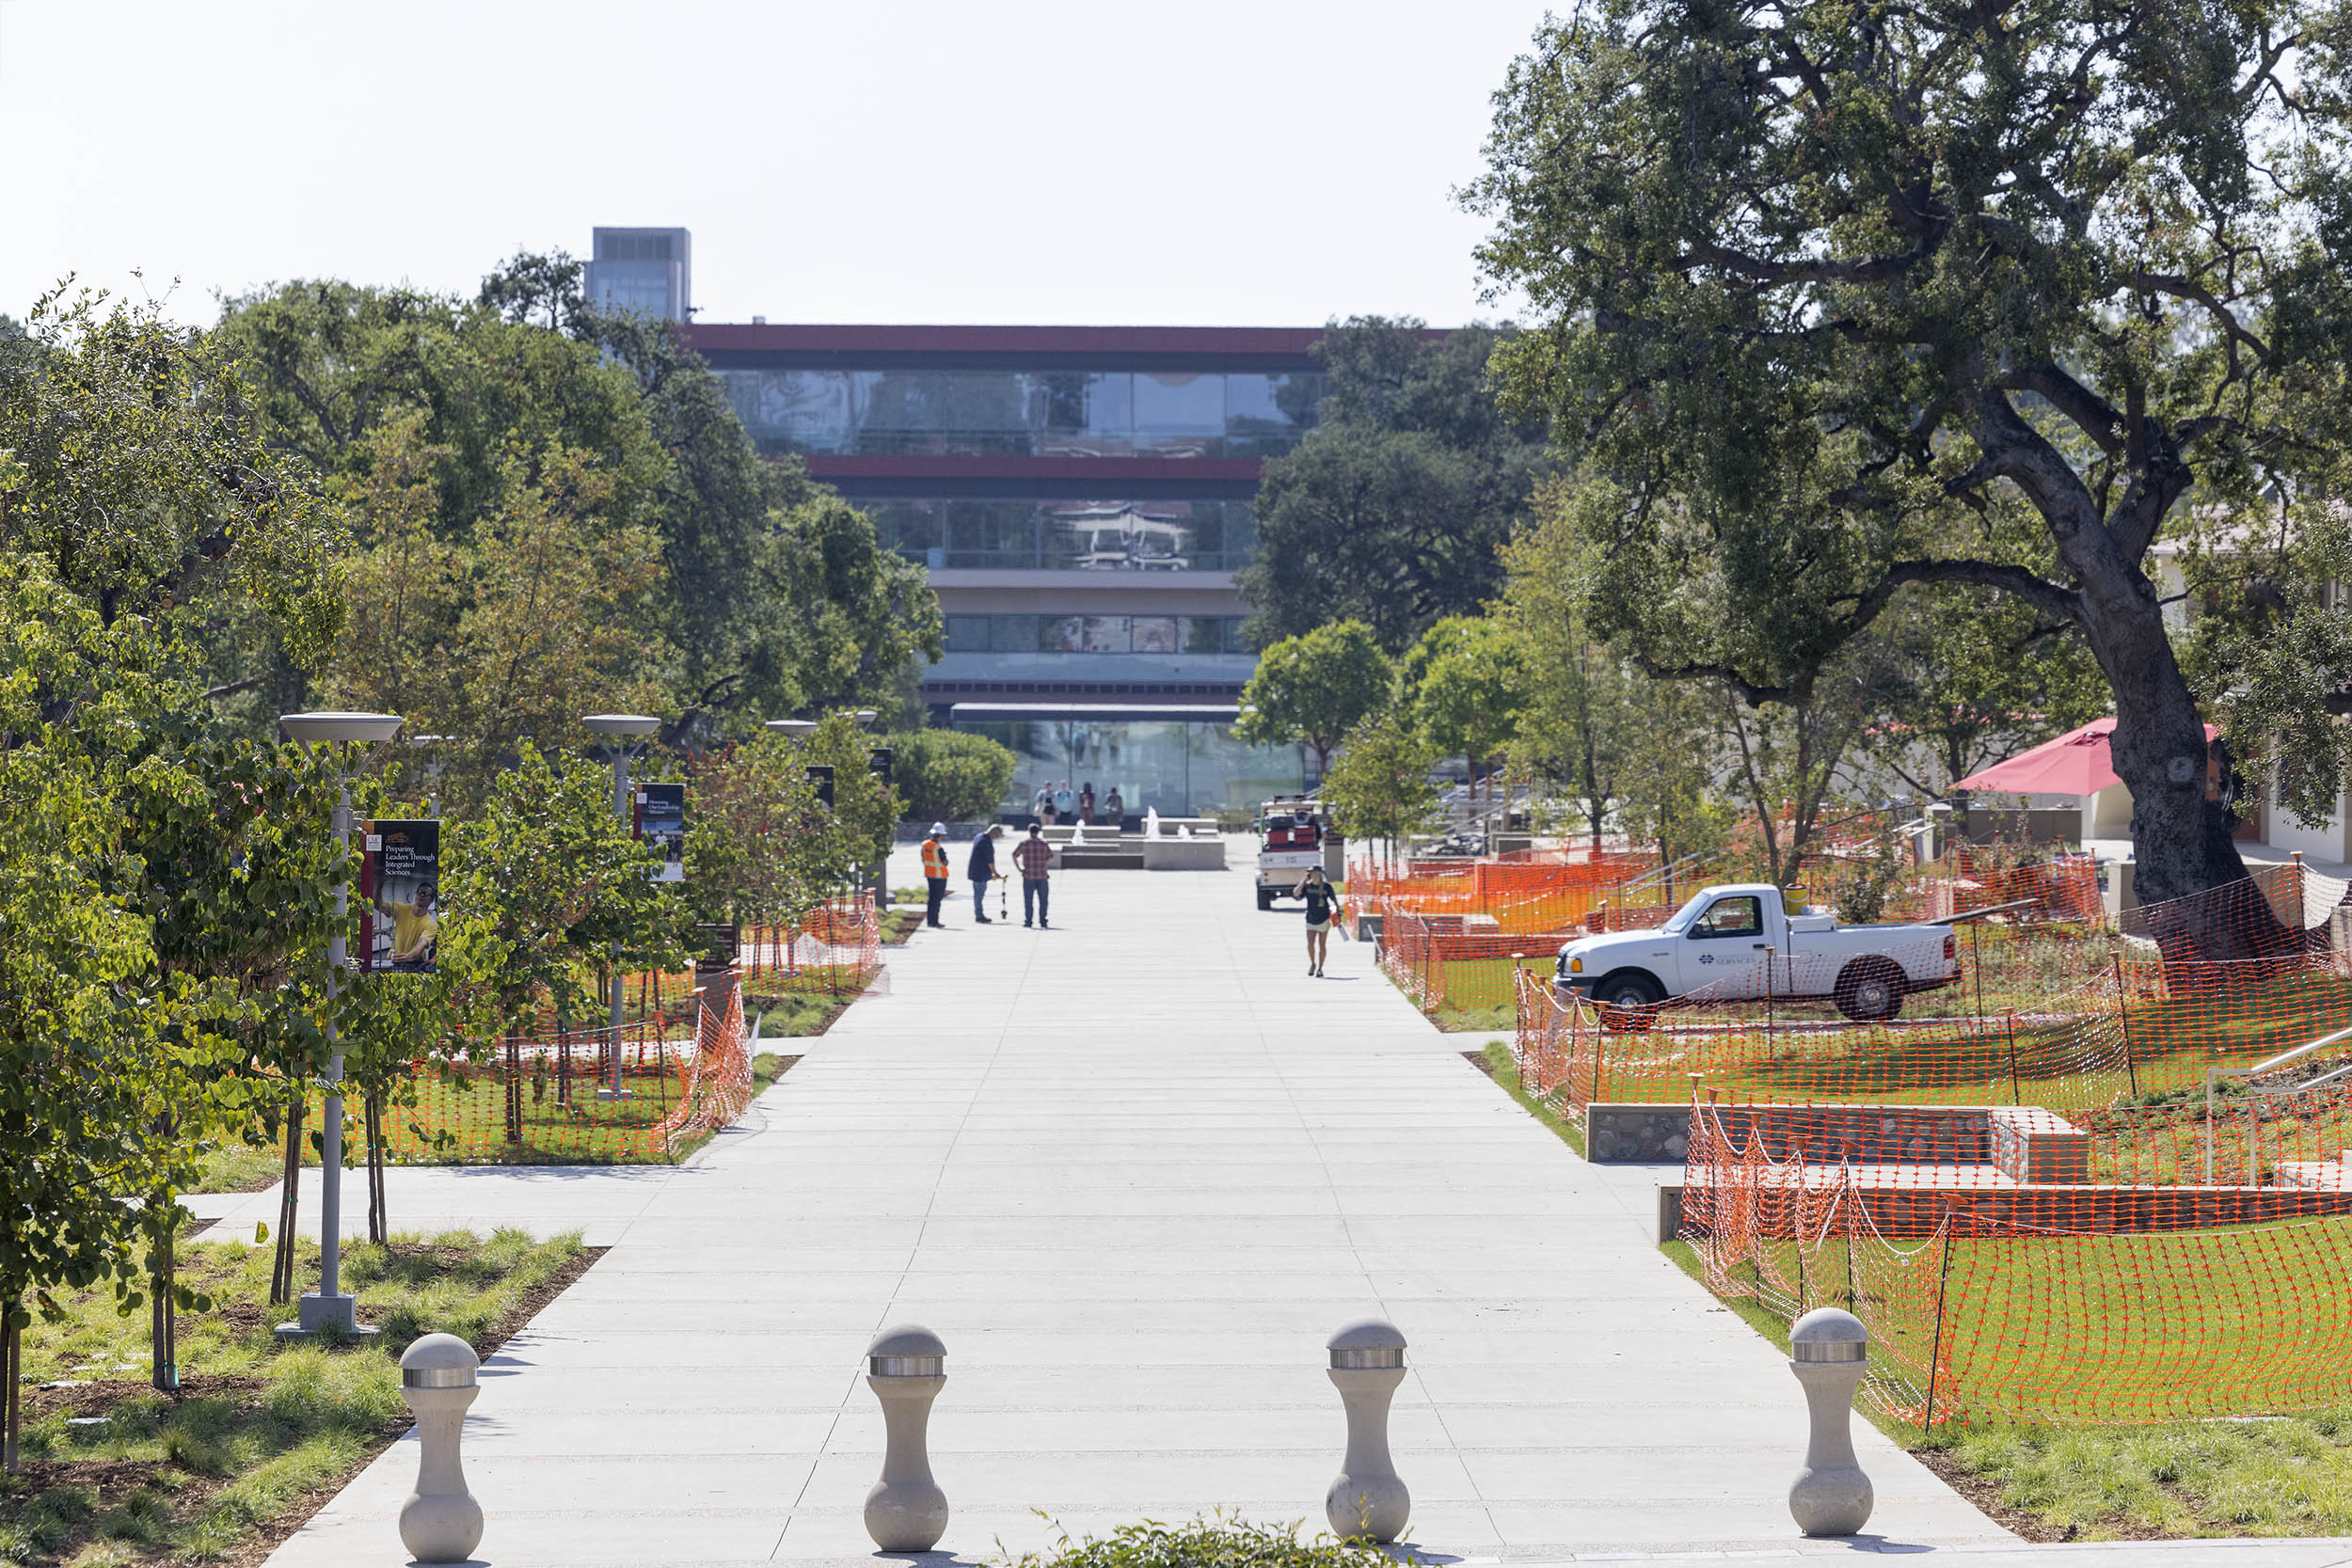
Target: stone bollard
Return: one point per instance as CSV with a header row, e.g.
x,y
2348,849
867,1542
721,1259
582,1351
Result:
x,y
906,1367
1368,1498
1831,1495
440,1522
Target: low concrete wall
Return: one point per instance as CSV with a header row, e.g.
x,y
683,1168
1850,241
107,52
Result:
x,y
1634,1133
1183,854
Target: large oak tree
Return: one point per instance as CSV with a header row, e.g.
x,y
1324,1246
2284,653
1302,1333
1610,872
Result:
x,y
1845,299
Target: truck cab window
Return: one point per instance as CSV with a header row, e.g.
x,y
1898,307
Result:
x,y
1731,917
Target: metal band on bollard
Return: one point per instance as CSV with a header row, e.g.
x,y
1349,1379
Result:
x,y
1368,1500
440,1522
438,1377
906,1367
1828,1352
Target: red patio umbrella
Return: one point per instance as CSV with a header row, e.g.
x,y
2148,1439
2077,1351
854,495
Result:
x,y
2076,762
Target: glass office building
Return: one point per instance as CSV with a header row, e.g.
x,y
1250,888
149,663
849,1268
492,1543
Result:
x,y
1083,496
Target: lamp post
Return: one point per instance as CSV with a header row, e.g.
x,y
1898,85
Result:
x,y
330,1309
792,729
618,729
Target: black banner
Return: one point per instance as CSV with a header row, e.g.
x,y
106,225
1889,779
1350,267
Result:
x,y
661,822
400,885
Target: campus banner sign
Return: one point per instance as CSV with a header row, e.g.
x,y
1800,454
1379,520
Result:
x,y
400,885
661,822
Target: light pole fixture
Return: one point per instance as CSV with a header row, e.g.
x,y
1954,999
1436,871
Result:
x,y
429,746
865,716
331,1307
618,729
792,729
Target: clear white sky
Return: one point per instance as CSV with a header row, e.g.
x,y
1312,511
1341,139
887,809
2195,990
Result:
x,y
1269,163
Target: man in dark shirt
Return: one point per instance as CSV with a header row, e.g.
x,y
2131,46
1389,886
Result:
x,y
982,870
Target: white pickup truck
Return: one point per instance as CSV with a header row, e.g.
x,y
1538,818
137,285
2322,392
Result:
x,y
1738,942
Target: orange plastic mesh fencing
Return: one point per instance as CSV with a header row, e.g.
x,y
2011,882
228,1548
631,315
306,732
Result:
x,y
545,1099
1546,891
717,1083
2031,1043
2062,1015
2030,1301
836,950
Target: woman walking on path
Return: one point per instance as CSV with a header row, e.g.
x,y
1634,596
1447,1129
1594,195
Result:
x,y
1323,908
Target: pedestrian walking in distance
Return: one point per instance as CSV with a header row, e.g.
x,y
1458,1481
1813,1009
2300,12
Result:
x,y
982,870
1034,856
1323,908
1086,803
935,872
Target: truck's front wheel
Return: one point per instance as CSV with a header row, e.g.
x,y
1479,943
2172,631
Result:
x,y
1870,990
1628,1001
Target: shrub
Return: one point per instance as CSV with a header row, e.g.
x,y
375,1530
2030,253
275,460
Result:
x,y
1209,1544
948,777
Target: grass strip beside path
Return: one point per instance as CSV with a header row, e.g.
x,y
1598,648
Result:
x,y
1496,1061
2269,1476
2272,1476
261,1433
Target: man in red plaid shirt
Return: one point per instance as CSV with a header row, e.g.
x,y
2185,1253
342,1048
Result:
x,y
1033,856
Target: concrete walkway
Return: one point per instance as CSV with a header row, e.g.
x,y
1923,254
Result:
x,y
1134,1170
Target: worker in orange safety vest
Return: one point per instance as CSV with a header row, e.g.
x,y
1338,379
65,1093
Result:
x,y
935,871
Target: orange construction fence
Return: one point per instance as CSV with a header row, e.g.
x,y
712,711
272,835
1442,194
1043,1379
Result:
x,y
1991,1290
834,950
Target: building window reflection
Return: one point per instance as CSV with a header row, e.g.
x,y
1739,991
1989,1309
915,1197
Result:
x,y
1027,413
1176,768
1067,536
1097,634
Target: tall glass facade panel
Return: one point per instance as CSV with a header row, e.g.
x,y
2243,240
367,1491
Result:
x,y
1176,768
1069,535
1027,413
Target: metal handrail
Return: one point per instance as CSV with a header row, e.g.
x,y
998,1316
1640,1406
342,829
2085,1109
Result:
x,y
2213,1074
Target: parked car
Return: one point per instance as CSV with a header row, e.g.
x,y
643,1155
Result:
x,y
1738,942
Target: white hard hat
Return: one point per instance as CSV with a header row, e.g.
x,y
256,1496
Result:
x,y
939,827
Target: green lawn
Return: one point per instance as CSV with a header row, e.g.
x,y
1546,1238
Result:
x,y
2150,1324
259,1430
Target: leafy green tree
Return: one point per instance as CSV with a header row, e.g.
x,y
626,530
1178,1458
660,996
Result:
x,y
1312,688
1378,786
548,892
1466,684
948,777
761,847
1586,715
76,1039
1667,791
1847,304
865,810
1394,512
534,618
777,596
1968,686
141,480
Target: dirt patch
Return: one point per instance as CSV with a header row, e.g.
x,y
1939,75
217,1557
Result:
x,y
102,1396
1478,1060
